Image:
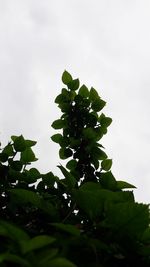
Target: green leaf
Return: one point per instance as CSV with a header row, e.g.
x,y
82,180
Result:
x,y
98,104
64,142
66,77
95,162
128,219
74,84
13,137
26,196
104,121
65,153
37,242
146,235
19,144
68,228
30,143
3,157
16,165
106,164
89,200
61,262
58,124
49,179
84,92
56,138
93,94
34,174
97,153
89,133
71,164
12,231
74,142
28,156
8,257
70,180
45,256
8,150
124,185
125,196
91,186
108,181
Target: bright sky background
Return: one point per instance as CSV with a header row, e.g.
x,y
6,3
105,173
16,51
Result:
x,y
106,44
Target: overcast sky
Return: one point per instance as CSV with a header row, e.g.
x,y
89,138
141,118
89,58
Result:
x,y
106,44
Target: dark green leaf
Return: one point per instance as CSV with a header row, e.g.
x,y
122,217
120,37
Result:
x,y
89,200
74,84
106,164
28,156
70,180
61,262
124,185
74,142
26,196
45,256
91,186
33,173
8,257
8,150
3,157
56,138
49,179
16,165
93,94
128,218
104,121
95,162
89,133
104,129
19,143
68,228
30,143
36,243
13,137
66,77
71,164
98,154
84,92
146,235
58,124
108,181
65,153
98,104
12,231
64,142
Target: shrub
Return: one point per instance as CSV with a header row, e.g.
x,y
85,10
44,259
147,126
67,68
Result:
x,y
87,218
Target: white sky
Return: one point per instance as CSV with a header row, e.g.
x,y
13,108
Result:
x,y
103,42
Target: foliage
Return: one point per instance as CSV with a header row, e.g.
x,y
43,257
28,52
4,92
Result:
x,y
84,218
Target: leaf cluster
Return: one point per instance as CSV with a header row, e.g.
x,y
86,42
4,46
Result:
x,y
84,218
